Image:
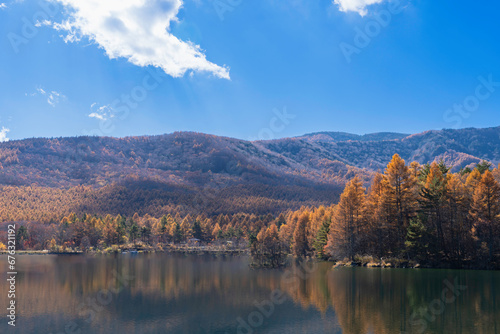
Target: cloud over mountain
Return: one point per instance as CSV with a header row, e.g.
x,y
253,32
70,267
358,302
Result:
x,y
3,135
138,31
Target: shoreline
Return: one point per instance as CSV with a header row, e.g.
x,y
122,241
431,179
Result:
x,y
173,250
405,264
384,264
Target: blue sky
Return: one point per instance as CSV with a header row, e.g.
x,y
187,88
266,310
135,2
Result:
x,y
246,69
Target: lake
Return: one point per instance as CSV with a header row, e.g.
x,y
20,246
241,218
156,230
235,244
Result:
x,y
164,293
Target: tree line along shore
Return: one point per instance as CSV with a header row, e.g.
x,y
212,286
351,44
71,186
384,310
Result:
x,y
410,215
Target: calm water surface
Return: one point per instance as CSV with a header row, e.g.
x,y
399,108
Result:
x,y
160,293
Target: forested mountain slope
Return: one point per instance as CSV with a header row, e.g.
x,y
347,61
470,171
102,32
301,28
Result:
x,y
156,174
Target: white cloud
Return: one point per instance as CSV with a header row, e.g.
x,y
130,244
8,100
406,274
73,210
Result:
x,y
3,6
96,115
53,97
102,113
356,5
137,30
3,135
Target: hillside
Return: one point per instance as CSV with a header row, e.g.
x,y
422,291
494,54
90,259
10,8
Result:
x,y
193,172
457,148
344,136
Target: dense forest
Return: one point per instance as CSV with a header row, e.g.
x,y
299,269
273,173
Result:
x,y
418,213
142,196
45,179
410,212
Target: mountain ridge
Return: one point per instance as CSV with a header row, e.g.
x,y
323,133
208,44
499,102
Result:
x,y
313,152
346,136
273,175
